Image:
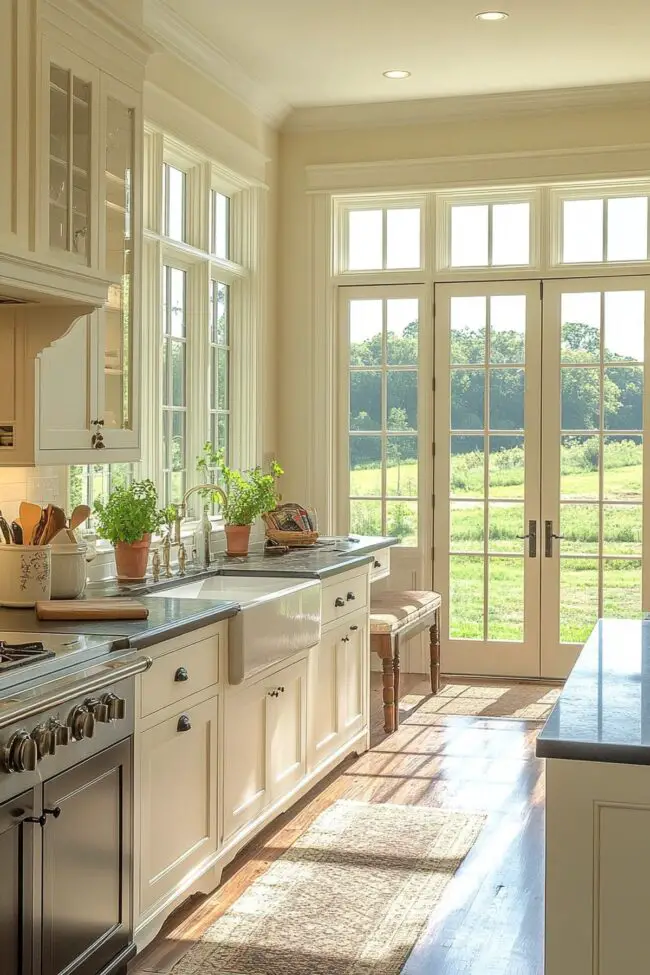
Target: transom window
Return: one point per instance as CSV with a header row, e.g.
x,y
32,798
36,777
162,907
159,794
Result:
x,y
489,234
604,229
174,203
381,239
220,225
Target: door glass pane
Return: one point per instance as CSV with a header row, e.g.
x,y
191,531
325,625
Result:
x,y
624,325
627,229
506,399
510,233
468,399
578,598
507,328
505,599
468,329
365,517
623,396
506,522
402,331
622,588
402,399
402,467
622,529
403,238
579,467
466,597
365,466
176,302
580,398
581,327
580,529
467,466
366,324
582,231
469,236
365,240
623,468
467,526
365,400
402,521
506,476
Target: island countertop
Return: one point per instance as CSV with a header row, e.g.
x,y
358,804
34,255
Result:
x,y
603,712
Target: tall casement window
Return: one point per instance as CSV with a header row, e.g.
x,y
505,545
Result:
x,y
200,314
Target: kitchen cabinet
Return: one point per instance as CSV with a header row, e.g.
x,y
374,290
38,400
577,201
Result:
x,y
338,686
178,795
264,742
16,857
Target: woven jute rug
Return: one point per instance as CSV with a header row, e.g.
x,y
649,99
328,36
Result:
x,y
350,897
523,701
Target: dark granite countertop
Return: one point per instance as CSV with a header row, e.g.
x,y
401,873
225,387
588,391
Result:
x,y
603,713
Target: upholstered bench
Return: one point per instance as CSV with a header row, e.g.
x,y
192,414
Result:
x,y
394,617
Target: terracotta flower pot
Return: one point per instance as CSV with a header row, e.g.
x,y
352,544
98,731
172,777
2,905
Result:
x,y
237,539
131,559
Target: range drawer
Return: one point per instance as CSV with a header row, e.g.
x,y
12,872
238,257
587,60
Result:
x,y
179,674
344,595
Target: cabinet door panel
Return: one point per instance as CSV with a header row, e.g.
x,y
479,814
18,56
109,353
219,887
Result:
x,y
353,677
66,383
287,738
178,790
246,787
86,863
324,698
16,857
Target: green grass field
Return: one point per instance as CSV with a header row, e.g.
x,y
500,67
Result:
x,y
501,516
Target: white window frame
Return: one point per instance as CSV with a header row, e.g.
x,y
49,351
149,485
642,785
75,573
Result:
x,y
341,213
593,191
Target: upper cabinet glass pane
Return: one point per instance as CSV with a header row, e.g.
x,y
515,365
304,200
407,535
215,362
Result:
x,y
174,203
69,163
365,244
403,238
220,242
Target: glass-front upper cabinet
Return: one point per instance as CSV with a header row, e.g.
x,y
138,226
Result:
x,y
71,122
119,251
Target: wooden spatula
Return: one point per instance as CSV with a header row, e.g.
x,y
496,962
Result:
x,y
30,515
56,520
78,516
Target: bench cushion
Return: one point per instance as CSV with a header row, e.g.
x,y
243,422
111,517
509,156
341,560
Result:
x,y
391,611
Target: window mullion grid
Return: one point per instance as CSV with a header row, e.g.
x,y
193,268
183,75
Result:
x,y
197,332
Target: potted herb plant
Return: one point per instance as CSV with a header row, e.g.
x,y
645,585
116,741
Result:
x,y
244,497
128,519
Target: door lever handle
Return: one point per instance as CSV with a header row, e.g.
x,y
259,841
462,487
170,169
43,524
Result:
x,y
549,535
532,538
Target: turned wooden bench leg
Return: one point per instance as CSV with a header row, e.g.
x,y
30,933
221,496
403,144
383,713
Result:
x,y
389,695
396,684
434,649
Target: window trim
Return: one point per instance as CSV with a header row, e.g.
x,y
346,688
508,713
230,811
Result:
x,y
341,209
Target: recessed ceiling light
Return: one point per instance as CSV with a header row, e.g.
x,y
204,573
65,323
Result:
x,y
396,74
492,15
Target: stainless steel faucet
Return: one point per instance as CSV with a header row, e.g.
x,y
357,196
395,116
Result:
x,y
181,509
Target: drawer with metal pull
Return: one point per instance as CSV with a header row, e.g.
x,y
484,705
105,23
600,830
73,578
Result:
x,y
344,595
177,675
380,566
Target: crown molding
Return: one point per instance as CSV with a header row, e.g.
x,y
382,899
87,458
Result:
x,y
422,111
175,35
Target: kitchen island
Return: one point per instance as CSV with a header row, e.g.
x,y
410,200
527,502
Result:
x,y
596,743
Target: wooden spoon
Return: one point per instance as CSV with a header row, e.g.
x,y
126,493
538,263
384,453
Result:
x,y
78,516
30,515
56,520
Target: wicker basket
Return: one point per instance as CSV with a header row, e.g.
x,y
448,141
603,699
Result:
x,y
292,539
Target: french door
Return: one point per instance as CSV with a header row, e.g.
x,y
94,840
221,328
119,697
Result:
x,y
540,468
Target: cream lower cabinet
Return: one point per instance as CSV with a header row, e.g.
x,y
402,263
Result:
x,y
178,796
338,686
264,743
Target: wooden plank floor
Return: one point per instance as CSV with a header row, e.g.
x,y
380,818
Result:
x,y
489,921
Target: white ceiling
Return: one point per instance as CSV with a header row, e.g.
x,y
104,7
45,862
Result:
x,y
334,51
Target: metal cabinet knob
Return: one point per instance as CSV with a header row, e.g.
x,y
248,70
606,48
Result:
x,y
339,601
345,639
181,674
350,596
281,689
273,693
184,723
376,564
354,627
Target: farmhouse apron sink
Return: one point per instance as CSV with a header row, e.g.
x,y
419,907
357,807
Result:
x,y
278,617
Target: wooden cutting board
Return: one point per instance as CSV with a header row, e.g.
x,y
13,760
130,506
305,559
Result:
x,y
91,609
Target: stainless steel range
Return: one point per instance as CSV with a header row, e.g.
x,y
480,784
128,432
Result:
x,y
66,742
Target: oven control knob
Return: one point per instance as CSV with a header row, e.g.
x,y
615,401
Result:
x,y
116,706
45,741
20,754
98,709
61,732
82,722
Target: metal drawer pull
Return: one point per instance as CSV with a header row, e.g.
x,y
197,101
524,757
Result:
x,y
345,639
339,601
42,820
532,538
350,596
377,564
181,674
281,689
184,723
274,693
354,627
